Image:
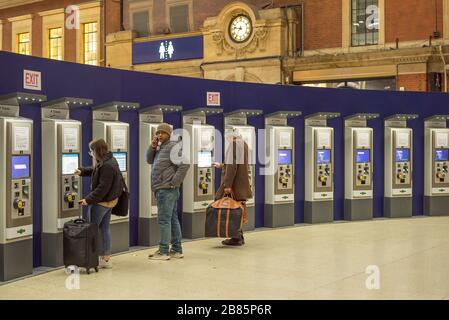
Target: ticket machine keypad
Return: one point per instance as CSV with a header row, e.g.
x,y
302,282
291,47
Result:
x,y
441,172
324,175
402,173
285,180
363,174
70,185
205,181
21,198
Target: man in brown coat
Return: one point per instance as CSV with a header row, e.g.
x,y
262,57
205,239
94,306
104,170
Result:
x,y
234,177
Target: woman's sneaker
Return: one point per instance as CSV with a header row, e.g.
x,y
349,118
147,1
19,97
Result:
x,y
158,256
176,255
105,264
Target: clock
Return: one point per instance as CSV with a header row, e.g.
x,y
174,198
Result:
x,y
240,28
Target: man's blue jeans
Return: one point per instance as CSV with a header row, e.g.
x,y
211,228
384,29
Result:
x,y
167,218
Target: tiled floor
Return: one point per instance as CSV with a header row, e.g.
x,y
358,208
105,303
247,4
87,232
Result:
x,y
307,262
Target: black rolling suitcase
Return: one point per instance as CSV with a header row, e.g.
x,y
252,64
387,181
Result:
x,y
80,244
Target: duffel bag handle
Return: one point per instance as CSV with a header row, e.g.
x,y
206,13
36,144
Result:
x,y
231,195
79,221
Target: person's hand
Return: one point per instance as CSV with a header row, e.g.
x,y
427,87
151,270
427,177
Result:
x,y
77,172
154,142
82,202
217,165
227,190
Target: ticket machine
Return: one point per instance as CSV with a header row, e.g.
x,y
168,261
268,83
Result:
x,y
16,186
61,188
106,125
198,187
319,170
398,165
238,121
279,170
436,166
150,118
359,167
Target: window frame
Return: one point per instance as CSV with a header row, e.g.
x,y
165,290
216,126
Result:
x,y
19,25
89,12
140,6
94,40
175,3
60,47
19,43
366,33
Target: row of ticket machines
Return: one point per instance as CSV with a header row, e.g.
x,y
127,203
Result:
x,y
62,153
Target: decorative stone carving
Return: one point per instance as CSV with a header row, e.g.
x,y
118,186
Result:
x,y
221,43
258,41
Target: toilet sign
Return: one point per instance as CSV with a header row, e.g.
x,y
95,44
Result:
x,y
32,80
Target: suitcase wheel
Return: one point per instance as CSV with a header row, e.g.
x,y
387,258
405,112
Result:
x,y
88,270
96,269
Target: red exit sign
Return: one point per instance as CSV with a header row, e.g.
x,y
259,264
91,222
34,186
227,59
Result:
x,y
32,80
213,99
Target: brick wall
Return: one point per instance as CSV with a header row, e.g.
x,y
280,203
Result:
x,y
322,24
413,82
112,16
412,19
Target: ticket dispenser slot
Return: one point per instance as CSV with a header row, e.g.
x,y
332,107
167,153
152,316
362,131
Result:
x,y
149,119
279,169
436,166
398,166
16,186
359,167
199,183
106,125
319,170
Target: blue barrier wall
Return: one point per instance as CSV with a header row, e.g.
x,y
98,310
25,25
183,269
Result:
x,y
61,79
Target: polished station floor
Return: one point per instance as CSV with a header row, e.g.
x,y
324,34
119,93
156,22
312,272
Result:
x,y
379,259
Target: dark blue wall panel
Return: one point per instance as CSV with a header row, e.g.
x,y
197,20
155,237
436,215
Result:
x,y
103,85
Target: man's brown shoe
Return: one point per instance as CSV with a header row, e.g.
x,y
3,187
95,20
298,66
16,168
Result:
x,y
233,242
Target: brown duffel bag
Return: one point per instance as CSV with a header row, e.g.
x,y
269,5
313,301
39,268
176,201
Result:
x,y
225,218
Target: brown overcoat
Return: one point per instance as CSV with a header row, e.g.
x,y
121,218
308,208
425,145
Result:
x,y
234,172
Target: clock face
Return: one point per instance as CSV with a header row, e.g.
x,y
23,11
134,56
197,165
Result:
x,y
240,28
